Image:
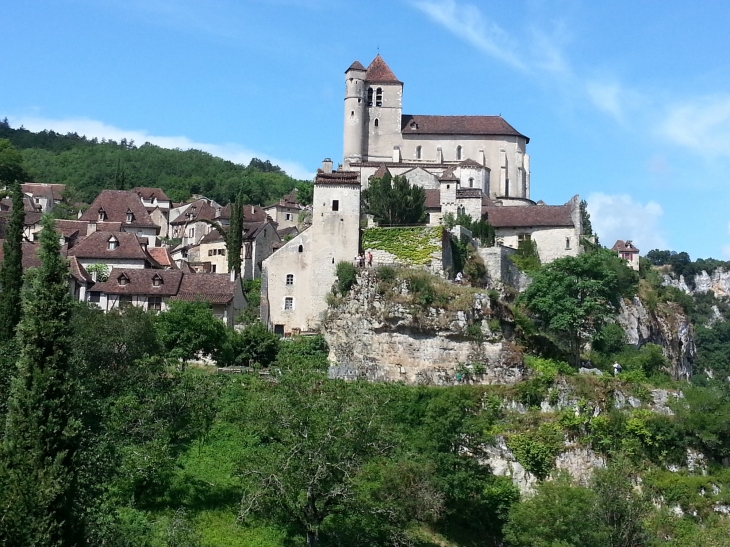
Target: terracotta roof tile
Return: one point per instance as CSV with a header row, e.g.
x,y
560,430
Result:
x,y
150,193
433,199
624,246
381,172
116,204
52,191
379,72
337,177
141,281
96,246
529,215
200,209
207,287
449,176
457,125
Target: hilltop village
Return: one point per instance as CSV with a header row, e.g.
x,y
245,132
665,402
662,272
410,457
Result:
x,y
138,247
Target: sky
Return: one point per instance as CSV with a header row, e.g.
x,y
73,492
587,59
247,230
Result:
x,y
626,103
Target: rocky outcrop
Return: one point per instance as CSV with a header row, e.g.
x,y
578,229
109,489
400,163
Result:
x,y
382,340
667,326
718,283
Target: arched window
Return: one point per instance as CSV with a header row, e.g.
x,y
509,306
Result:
x,y
301,248
290,279
376,122
471,182
418,152
458,153
379,97
370,96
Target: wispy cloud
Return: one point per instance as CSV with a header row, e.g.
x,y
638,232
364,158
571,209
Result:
x,y
621,217
94,128
701,124
469,23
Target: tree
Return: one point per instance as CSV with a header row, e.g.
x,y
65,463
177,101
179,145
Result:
x,y
11,269
573,297
188,328
42,429
232,236
309,437
255,345
11,164
393,201
586,219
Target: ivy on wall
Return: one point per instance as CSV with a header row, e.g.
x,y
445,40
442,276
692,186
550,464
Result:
x,y
413,245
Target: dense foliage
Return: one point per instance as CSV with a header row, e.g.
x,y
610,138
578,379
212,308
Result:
x,y
393,201
87,166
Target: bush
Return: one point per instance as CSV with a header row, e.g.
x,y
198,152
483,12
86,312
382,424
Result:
x,y
386,273
422,288
255,346
346,276
610,339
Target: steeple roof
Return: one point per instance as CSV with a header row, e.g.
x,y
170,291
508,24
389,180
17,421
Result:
x,y
379,72
357,65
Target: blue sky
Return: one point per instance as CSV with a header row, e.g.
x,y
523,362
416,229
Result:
x,y
626,103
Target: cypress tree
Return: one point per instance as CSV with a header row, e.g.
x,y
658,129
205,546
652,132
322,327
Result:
x,y
234,239
37,476
11,270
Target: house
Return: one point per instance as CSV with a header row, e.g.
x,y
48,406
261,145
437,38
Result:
x,y
115,250
627,251
158,206
191,221
285,213
127,209
147,289
224,294
44,196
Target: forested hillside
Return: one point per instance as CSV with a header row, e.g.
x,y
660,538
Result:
x,y
87,166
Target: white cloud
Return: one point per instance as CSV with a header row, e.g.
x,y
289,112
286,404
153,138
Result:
x,y
468,23
701,124
620,217
94,128
607,97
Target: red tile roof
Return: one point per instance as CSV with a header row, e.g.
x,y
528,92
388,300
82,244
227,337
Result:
x,y
448,175
529,215
379,72
116,204
141,281
207,287
357,65
624,247
161,256
200,209
433,199
457,125
51,191
97,246
151,193
381,172
337,177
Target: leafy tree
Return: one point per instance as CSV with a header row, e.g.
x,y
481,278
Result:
x,y
346,276
586,218
308,440
658,258
42,429
573,297
232,235
255,345
188,328
393,201
11,269
11,164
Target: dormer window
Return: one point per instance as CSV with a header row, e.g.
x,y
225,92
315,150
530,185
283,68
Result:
x,y
379,97
112,243
102,214
130,216
156,281
122,280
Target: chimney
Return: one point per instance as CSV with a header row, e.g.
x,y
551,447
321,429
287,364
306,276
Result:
x,y
233,275
79,214
327,165
90,228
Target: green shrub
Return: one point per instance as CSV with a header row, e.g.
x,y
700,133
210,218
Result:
x,y
346,276
475,331
386,273
537,451
422,288
610,339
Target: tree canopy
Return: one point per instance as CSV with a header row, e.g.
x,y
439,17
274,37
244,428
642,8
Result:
x,y
393,201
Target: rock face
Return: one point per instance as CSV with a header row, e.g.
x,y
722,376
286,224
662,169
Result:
x,y
667,327
382,340
718,282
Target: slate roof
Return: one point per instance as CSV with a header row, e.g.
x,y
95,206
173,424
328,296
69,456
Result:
x,y
381,172
199,209
529,215
468,162
77,271
140,281
357,65
116,203
97,246
433,199
291,230
150,193
212,237
337,177
449,176
206,287
457,125
67,228
379,73
624,246
30,254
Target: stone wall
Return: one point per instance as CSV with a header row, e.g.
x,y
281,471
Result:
x,y
501,269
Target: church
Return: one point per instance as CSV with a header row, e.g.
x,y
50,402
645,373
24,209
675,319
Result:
x,y
477,165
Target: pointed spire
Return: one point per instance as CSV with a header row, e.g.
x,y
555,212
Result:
x,y
357,65
379,72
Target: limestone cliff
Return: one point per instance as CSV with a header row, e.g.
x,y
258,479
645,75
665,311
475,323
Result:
x,y
718,283
380,338
666,326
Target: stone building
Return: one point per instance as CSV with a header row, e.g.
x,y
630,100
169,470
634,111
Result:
x,y
627,251
297,278
125,208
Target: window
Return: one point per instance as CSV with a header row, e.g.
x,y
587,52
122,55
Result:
x,y
567,243
458,152
125,300
102,214
471,182
130,216
335,204
122,280
370,96
247,250
288,303
290,279
191,232
352,113
112,243
301,248
222,252
279,329
213,268
522,238
156,281
379,97
154,303
210,252
418,152
287,216
94,296
37,200
376,122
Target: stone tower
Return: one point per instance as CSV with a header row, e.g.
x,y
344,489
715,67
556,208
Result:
x,y
355,112
384,98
